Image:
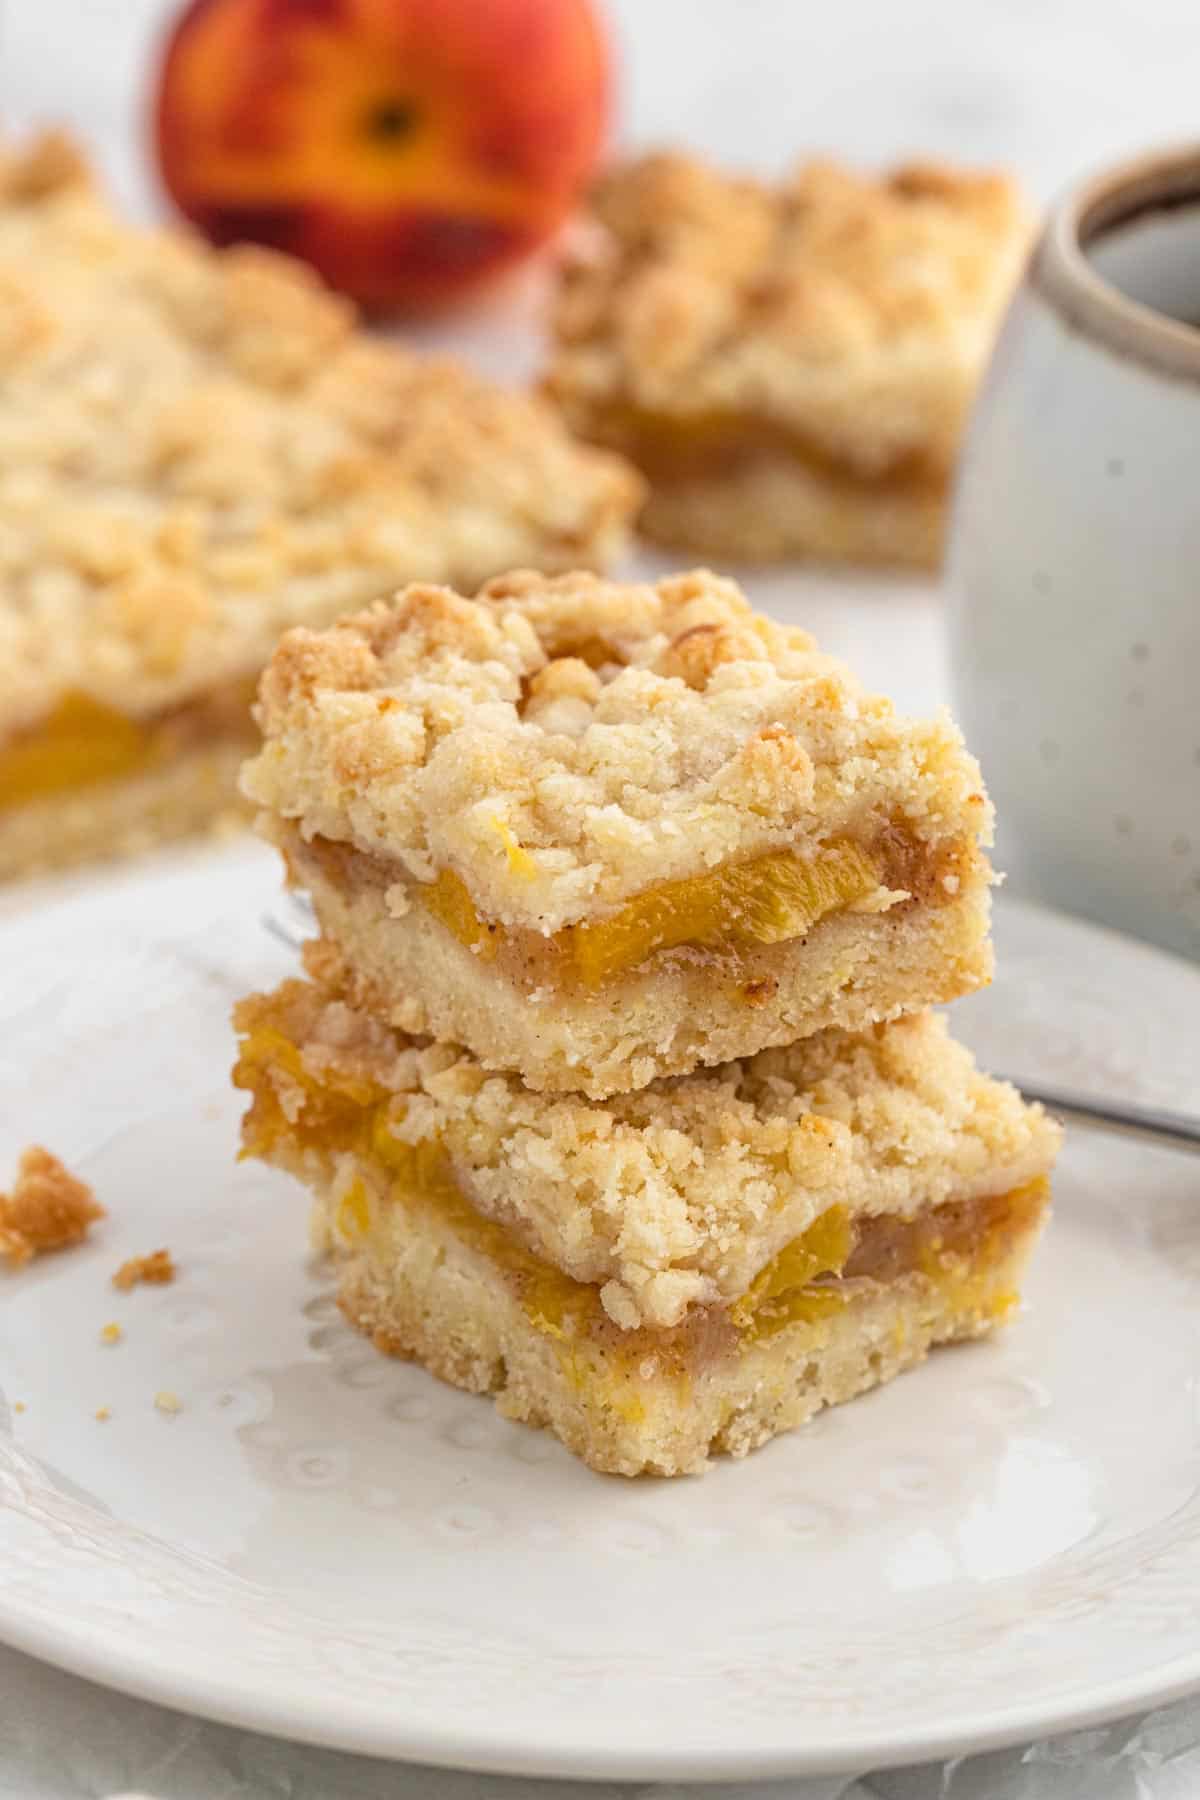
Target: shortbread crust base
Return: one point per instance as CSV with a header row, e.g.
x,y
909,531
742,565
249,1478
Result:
x,y
852,970
420,1292
192,793
771,509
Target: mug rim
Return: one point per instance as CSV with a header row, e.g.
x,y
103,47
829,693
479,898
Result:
x,y
1157,181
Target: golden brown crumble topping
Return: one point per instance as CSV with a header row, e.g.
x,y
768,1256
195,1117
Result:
x,y
852,311
50,162
155,1269
200,448
48,1209
562,743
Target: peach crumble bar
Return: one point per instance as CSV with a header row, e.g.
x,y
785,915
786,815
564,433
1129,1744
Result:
x,y
789,365
600,833
665,1275
198,449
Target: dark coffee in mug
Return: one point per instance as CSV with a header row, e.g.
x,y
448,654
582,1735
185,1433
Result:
x,y
1151,254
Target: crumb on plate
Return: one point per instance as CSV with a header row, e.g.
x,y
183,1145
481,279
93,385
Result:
x,y
103,1413
167,1402
48,1208
156,1268
111,1333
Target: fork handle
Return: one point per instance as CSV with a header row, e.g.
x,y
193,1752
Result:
x,y
1153,1121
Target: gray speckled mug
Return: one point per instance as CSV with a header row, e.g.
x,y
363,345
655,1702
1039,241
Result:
x,y
1074,564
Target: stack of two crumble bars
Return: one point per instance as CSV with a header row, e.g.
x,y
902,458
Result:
x,y
613,1074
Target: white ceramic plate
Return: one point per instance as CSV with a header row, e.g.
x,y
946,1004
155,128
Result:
x,y
330,1545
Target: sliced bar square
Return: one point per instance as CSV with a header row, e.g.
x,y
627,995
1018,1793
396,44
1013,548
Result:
x,y
668,1275
599,833
790,364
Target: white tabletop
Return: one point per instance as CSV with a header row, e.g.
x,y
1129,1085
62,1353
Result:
x,y
1047,87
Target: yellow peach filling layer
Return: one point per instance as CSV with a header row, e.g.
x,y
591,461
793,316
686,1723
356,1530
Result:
x,y
768,900
678,447
955,1246
83,742
343,1114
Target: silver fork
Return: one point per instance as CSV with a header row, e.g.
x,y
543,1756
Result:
x,y
293,922
296,921
1119,1115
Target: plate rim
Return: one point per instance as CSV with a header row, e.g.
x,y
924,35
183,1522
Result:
x,y
493,1752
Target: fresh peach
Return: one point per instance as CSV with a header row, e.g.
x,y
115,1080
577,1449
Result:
x,y
408,149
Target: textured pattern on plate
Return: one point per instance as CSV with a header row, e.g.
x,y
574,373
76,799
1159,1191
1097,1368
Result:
x,y
333,1546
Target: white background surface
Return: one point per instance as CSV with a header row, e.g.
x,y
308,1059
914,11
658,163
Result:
x,y
1048,86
